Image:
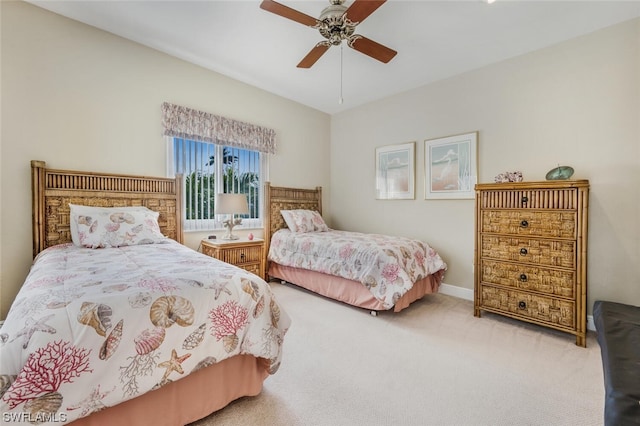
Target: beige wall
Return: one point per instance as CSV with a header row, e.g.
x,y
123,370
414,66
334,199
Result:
x,y
576,103
80,98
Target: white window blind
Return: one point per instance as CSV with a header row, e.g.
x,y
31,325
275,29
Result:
x,y
209,169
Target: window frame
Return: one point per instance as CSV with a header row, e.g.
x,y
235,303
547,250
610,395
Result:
x,y
216,224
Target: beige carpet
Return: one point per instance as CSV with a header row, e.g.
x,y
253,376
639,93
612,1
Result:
x,y
432,364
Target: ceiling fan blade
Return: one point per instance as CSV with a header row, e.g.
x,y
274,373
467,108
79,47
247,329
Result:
x,y
287,12
361,9
314,55
371,48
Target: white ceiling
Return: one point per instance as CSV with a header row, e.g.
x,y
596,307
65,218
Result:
x,y
434,39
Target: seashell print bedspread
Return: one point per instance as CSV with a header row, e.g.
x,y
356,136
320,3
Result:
x,y
388,266
92,328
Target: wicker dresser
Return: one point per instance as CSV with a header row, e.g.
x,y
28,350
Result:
x,y
531,253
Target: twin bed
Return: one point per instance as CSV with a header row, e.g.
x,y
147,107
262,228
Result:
x,y
138,323
369,271
117,317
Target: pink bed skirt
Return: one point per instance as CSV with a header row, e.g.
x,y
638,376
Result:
x,y
188,399
351,292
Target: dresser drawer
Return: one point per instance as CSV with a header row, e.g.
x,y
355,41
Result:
x,y
557,253
236,255
529,198
557,312
553,224
526,277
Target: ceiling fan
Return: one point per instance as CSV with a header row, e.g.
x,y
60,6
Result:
x,y
337,23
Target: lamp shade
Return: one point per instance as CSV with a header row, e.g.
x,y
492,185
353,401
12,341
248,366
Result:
x,y
231,204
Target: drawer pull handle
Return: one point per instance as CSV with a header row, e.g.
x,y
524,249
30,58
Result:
x,y
523,251
524,224
523,278
525,199
522,304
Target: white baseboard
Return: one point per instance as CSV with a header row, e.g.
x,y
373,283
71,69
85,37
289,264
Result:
x,y
467,294
455,291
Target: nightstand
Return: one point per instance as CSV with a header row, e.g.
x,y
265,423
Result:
x,y
244,253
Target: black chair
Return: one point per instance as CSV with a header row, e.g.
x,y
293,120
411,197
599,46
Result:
x,y
618,333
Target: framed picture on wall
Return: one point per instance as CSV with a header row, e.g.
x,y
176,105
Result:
x,y
451,166
395,172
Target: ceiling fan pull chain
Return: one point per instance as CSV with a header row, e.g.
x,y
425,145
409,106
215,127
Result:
x,y
340,100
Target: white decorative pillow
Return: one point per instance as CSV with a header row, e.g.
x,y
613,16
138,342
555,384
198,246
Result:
x,y
304,221
98,227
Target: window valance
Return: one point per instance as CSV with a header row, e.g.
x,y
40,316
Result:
x,y
183,122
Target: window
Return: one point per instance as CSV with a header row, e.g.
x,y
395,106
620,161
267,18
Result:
x,y
216,155
209,169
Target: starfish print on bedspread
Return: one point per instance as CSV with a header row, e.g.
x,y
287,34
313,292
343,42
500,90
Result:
x,y
31,326
173,364
218,287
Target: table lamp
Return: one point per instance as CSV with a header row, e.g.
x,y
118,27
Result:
x,y
231,204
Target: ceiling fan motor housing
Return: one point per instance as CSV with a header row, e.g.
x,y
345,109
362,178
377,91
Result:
x,y
333,23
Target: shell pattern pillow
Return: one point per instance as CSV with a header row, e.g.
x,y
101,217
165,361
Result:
x,y
100,227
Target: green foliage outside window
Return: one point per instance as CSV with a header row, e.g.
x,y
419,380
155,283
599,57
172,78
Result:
x,y
201,188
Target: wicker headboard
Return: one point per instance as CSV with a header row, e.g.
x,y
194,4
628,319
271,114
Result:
x,y
53,190
280,198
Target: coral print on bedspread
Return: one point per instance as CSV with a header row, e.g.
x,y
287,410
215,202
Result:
x,y
388,266
91,328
